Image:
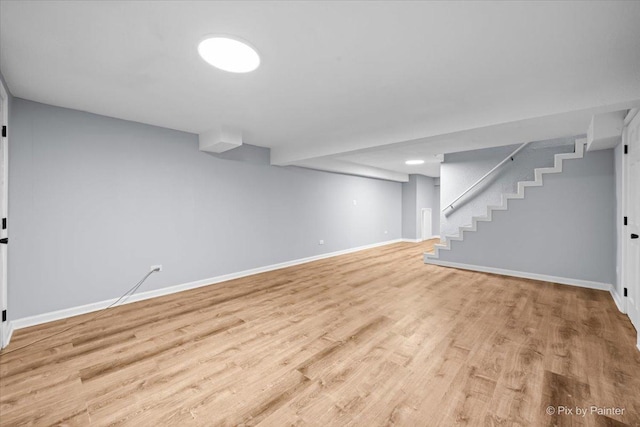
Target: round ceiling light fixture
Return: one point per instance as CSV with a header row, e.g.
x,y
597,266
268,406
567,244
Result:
x,y
229,54
414,162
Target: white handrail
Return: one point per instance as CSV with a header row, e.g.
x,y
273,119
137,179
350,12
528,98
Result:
x,y
509,157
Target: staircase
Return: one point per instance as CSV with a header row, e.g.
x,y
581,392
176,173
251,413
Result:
x,y
503,206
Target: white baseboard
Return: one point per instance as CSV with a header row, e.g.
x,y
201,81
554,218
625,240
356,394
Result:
x,y
524,275
88,308
618,300
420,240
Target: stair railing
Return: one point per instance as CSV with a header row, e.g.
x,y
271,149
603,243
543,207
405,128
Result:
x,y
509,157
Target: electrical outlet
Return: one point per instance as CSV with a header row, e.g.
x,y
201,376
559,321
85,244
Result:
x,y
385,232
153,267
321,242
355,202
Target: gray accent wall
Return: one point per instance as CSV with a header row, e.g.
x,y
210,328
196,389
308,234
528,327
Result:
x,y
461,170
409,200
565,228
418,193
95,201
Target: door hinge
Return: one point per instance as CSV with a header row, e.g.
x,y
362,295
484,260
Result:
x,y
4,315
4,131
4,223
624,292
626,149
624,221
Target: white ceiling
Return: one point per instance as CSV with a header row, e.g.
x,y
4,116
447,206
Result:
x,y
355,87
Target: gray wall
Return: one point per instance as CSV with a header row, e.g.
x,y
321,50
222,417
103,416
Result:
x,y
95,201
409,200
565,228
460,170
418,193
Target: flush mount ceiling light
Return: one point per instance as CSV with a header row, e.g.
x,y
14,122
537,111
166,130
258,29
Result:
x,y
229,54
414,162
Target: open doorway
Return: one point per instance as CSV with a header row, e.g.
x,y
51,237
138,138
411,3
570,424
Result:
x,y
426,224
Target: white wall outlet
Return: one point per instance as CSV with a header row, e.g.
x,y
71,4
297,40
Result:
x,y
153,267
355,202
321,242
386,232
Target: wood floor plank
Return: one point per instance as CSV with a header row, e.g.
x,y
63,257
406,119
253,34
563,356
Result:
x,y
370,338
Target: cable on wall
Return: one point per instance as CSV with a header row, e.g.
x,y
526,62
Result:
x,y
96,315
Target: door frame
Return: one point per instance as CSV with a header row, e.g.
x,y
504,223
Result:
x,y
623,207
4,326
422,236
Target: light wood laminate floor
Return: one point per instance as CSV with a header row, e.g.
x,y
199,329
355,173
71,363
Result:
x,y
370,338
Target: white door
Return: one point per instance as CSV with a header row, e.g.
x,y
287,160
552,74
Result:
x,y
632,230
4,115
426,224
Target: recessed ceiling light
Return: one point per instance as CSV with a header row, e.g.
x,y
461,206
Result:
x,y
414,162
229,54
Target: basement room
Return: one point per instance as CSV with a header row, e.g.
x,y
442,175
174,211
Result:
x,y
322,213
